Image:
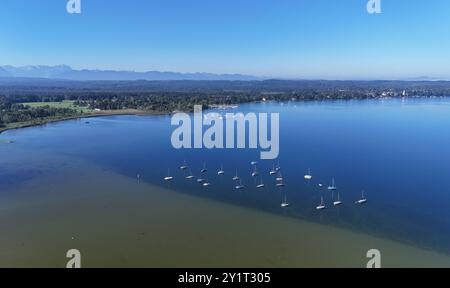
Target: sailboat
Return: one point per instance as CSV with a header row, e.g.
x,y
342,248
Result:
x,y
204,170
206,183
278,167
190,176
308,176
255,172
273,171
168,177
261,185
236,178
285,204
184,166
279,177
253,163
240,186
321,206
221,171
338,202
363,199
280,184
333,186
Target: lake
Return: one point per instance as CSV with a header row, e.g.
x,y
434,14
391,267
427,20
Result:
x,y
74,184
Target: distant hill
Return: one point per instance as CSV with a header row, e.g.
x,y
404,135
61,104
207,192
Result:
x,y
65,72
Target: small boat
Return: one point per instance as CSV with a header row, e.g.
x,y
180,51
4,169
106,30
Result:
x,y
333,186
236,178
184,166
240,186
273,171
221,171
204,170
280,184
338,202
206,184
278,168
255,172
200,180
320,185
253,163
321,206
168,177
261,185
363,199
190,176
308,176
285,204
279,177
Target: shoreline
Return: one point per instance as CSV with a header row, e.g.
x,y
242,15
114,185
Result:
x,y
93,115
136,112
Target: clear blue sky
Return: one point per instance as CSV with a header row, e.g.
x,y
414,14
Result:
x,y
280,38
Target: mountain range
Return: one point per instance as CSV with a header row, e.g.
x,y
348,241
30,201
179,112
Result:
x,y
65,72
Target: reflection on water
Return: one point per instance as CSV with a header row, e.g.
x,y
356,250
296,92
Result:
x,y
395,151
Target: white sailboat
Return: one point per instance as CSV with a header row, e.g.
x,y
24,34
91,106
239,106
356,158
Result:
x,y
221,171
322,205
236,178
261,184
333,186
338,202
363,199
190,176
279,177
255,172
280,184
184,166
285,204
278,168
168,177
204,170
308,176
273,171
253,163
239,186
206,183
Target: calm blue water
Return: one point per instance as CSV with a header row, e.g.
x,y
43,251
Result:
x,y
397,151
